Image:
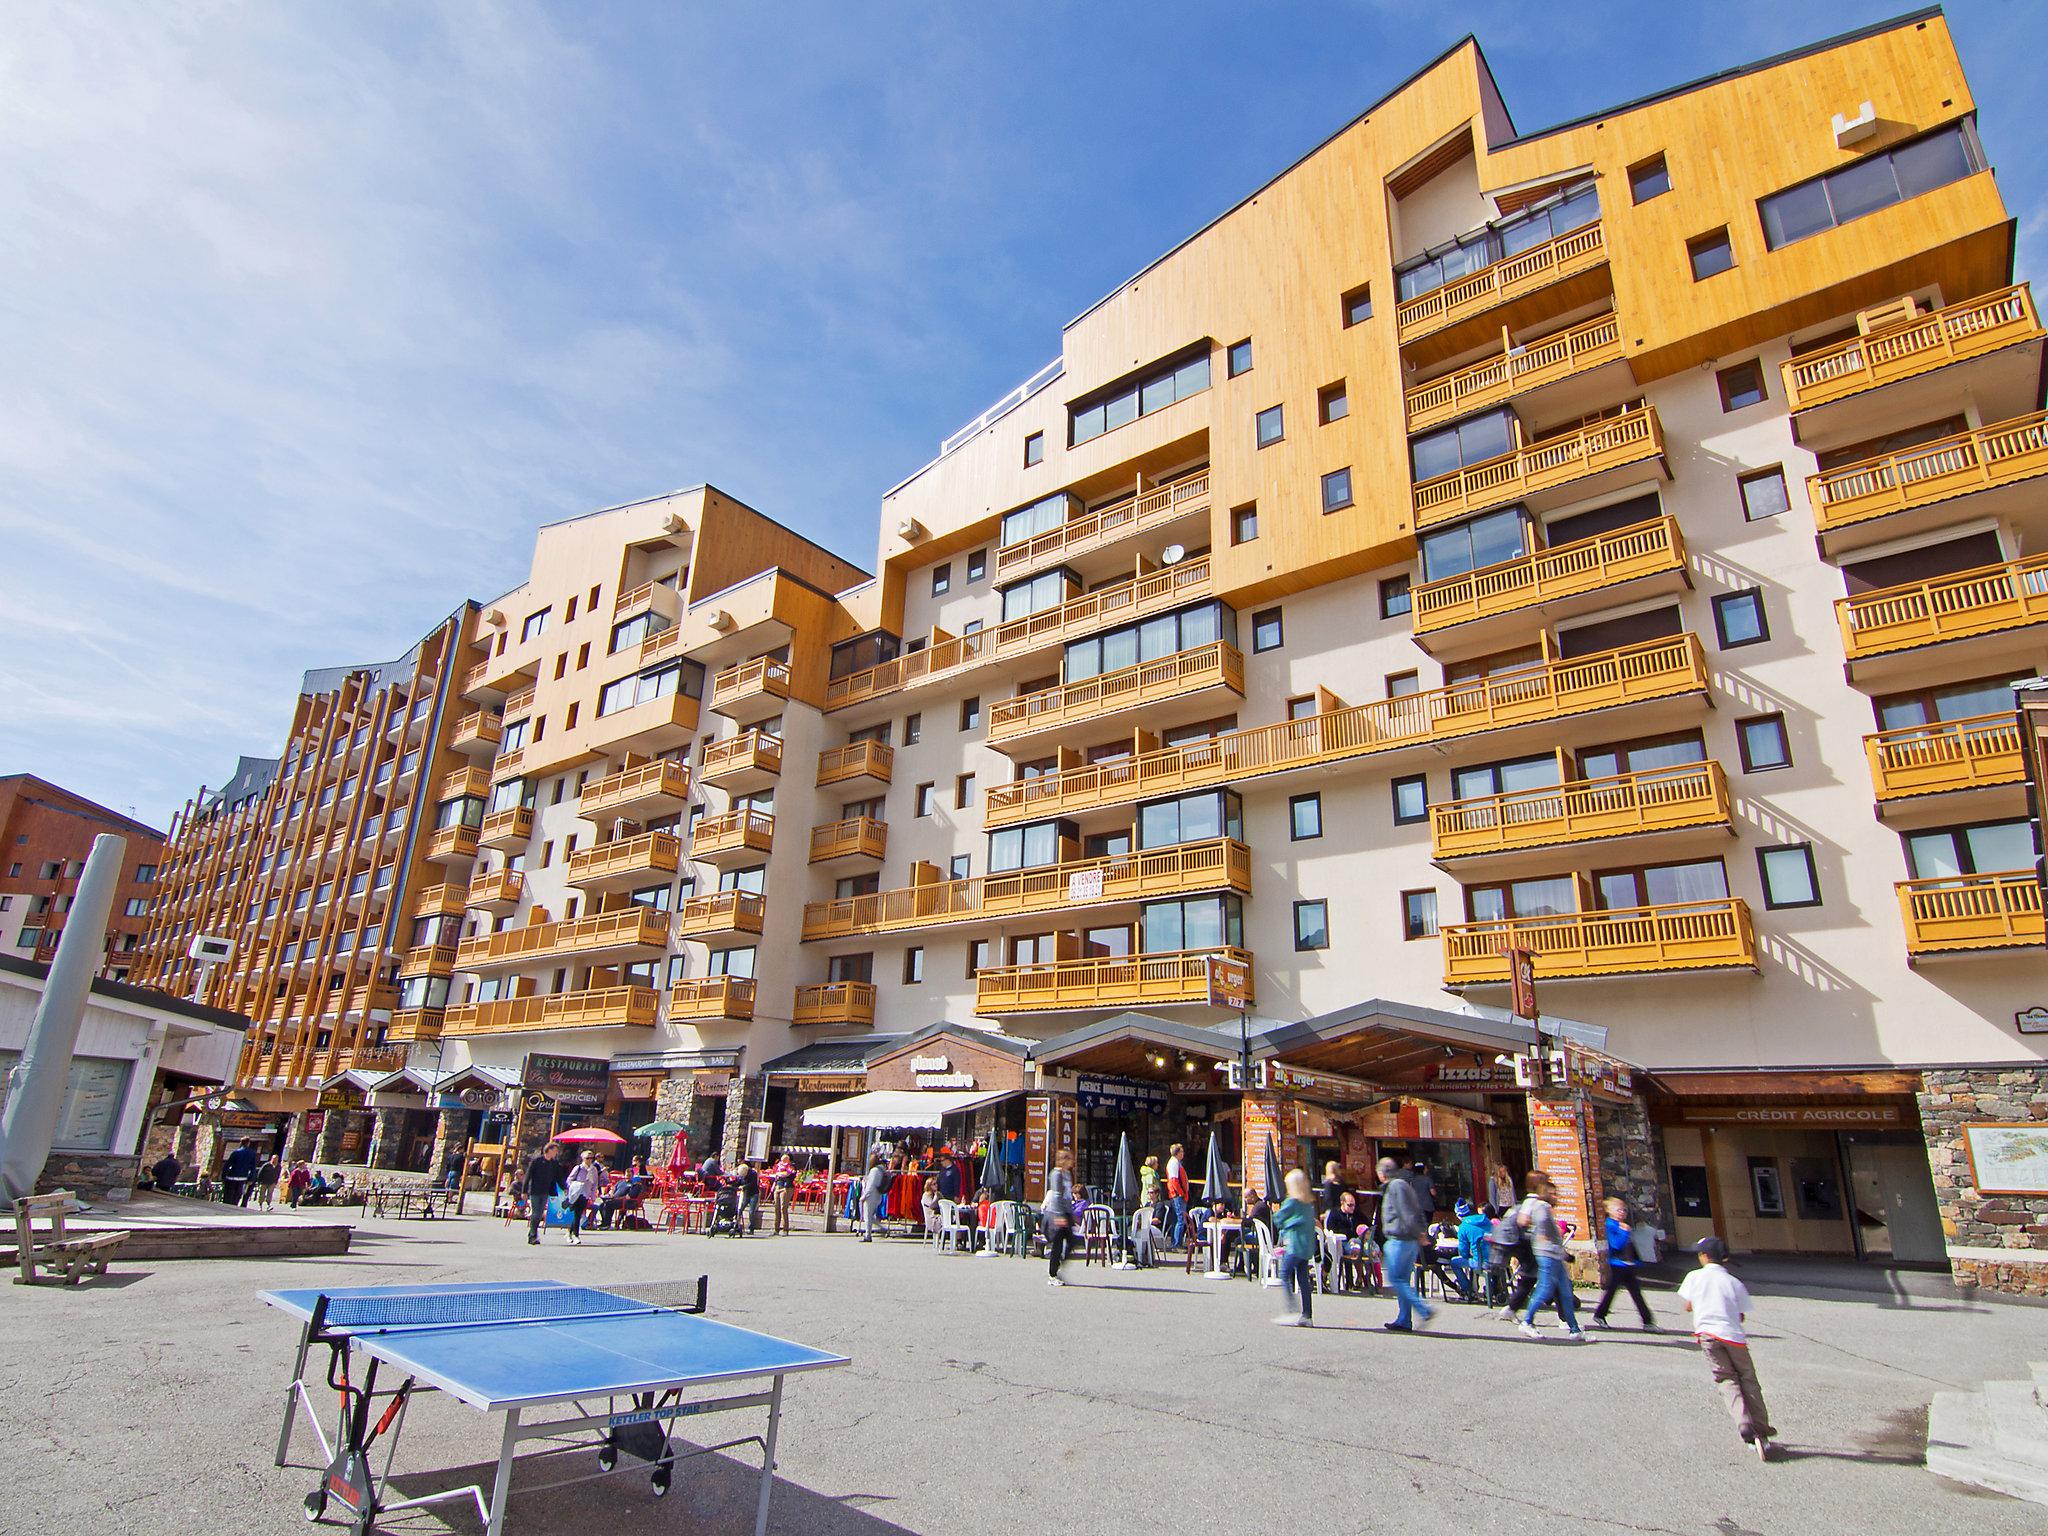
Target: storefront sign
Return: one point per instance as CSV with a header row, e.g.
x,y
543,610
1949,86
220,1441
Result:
x,y
1321,1085
712,1085
473,1097
937,1072
567,1079
1230,982
1809,1116
1522,983
2032,1021
247,1120
635,1085
1601,1075
1560,1152
1037,1145
1120,1095
339,1098
820,1084
1264,1124
1472,1077
1066,1127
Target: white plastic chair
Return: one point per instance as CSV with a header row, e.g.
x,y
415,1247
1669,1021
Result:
x,y
952,1230
946,1210
998,1234
1269,1254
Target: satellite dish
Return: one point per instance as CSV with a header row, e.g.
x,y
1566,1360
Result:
x,y
1173,554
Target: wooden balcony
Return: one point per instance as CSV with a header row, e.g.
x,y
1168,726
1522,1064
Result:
x,y
1551,579
857,760
428,960
1975,753
498,892
1961,332
1183,675
632,934
509,764
857,837
741,764
721,916
835,1002
627,863
507,830
1218,864
1568,255
636,794
410,1024
1970,913
751,691
593,1008
1687,795
478,733
452,845
1567,355
1124,981
472,782
1635,674
660,725
495,676
650,596
1167,587
1928,475
1990,600
1184,498
712,997
736,837
520,701
1632,941
369,1058
448,899
1578,459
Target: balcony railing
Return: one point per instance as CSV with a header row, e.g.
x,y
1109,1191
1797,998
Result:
x,y
1606,560
1631,437
1218,664
1183,498
1952,335
415,1024
720,912
634,930
428,959
856,760
855,837
592,1008
443,900
1580,250
508,828
733,832
456,842
1083,615
651,854
478,728
1973,753
1983,601
1578,350
1648,800
712,997
636,792
462,782
521,701
500,888
758,678
1927,473
1123,981
1654,669
1220,863
749,750
835,1002
1968,912
1680,936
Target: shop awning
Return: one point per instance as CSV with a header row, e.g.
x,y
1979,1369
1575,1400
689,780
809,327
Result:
x,y
892,1109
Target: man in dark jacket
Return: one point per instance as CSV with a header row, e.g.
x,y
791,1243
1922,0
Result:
x,y
164,1174
236,1175
543,1183
1403,1220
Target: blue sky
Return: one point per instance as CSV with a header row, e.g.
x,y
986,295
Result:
x,y
306,307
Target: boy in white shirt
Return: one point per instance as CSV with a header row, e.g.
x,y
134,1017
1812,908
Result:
x,y
1718,1302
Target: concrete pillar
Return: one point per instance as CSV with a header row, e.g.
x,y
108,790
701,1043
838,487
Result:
x,y
187,1144
675,1098
742,1102
300,1136
387,1138
451,1136
327,1145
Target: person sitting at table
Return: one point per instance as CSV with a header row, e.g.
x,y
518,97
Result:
x,y
1474,1226
711,1172
620,1201
1439,1255
984,1209
1256,1208
164,1173
949,1178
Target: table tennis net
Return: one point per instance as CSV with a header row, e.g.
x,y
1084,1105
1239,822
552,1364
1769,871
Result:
x,y
428,1309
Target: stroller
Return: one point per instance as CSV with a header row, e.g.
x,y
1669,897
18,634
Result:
x,y
725,1212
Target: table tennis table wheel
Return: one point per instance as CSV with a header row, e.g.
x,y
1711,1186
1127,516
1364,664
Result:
x,y
316,1504
659,1481
607,1458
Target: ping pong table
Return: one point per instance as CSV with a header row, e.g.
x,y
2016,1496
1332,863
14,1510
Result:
x,y
587,1370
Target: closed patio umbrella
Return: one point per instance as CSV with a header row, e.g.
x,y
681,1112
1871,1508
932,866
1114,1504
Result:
x,y
1123,1195
1273,1185
1216,1176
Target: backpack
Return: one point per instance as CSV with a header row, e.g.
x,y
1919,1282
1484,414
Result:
x,y
1507,1236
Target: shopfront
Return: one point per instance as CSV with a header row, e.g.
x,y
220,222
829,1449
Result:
x,y
555,1094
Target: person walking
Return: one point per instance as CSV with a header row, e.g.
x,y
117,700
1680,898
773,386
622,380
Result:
x,y
1621,1268
782,1190
580,1190
874,1193
266,1183
1294,1229
1057,1209
1401,1223
1514,1262
236,1175
1176,1196
1553,1281
543,1182
1719,1304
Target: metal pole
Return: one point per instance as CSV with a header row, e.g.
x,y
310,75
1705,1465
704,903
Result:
x,y
36,1085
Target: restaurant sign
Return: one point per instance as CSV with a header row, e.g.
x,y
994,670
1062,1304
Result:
x,y
636,1085
1321,1085
1120,1095
567,1079
1230,982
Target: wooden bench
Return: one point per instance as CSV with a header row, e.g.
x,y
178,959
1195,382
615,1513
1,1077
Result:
x,y
73,1257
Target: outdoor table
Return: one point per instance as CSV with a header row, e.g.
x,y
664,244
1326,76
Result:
x,y
1218,1225
692,1213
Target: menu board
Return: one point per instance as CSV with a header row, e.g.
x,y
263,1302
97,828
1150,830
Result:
x,y
1037,1132
93,1092
1561,1154
1266,1121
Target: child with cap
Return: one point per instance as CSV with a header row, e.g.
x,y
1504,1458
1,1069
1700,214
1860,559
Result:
x,y
1718,1302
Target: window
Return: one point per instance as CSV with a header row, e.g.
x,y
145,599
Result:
x,y
1636,756
1027,847
970,714
1990,847
972,627
1305,817
145,874
1036,594
1240,357
1661,885
1244,523
1162,635
961,865
913,965
1034,449
28,938
1336,490
138,906
1710,253
1873,182
1311,925
977,565
963,791
913,730
1272,426
942,579
1302,707
1358,305
1411,799
1739,618
1266,633
1126,401
1199,922
1763,493
1041,516
1648,178
1456,447
1394,597
535,623
1418,914
1788,875
925,798
1742,385
1401,684
1192,818
1761,739
1572,208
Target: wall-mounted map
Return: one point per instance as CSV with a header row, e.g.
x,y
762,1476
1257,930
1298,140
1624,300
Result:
x,y
2008,1159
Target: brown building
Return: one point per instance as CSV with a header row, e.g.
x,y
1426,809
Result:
x,y
45,833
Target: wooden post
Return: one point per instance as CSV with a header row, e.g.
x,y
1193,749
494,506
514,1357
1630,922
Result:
x,y
831,1178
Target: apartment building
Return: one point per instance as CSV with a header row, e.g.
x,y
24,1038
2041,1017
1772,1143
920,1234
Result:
x,y
46,831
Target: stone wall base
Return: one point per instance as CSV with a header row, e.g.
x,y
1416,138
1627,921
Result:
x,y
90,1175
1978,1225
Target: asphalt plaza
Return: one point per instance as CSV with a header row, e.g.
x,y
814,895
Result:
x,y
981,1400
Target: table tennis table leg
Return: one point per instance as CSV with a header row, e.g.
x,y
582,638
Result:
x,y
501,1488
292,1394
768,1458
